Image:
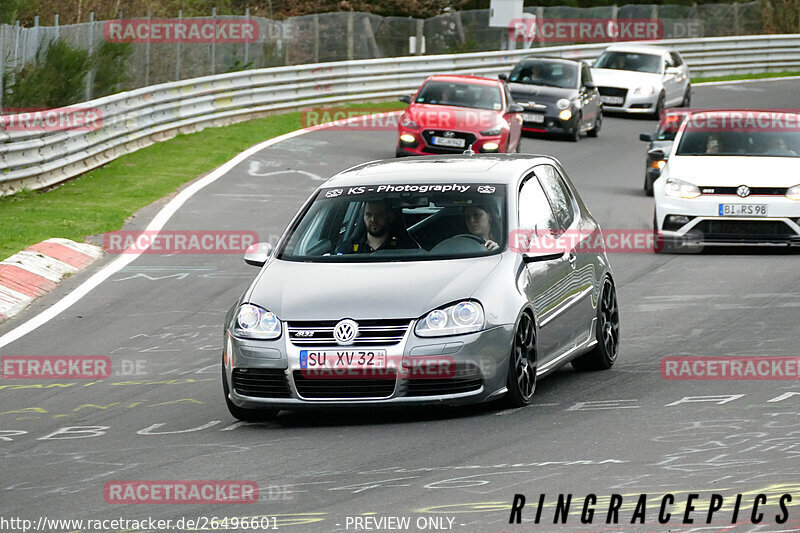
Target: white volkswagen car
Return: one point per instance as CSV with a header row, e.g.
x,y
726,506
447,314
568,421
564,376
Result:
x,y
643,79
732,178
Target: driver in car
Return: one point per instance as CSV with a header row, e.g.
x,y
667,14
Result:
x,y
381,232
480,220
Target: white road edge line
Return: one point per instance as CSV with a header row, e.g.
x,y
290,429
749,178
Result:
x,y
754,80
158,222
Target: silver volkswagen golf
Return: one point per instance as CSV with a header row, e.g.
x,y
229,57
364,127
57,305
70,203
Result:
x,y
423,281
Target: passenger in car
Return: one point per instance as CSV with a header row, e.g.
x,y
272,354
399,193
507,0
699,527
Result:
x,y
480,220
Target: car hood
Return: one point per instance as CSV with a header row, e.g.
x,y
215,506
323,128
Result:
x,y
732,171
524,93
624,78
445,117
361,291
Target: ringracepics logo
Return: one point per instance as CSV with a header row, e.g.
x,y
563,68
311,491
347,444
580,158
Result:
x,y
179,242
55,367
586,30
41,120
205,30
180,492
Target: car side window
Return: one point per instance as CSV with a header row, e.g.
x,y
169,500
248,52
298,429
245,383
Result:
x,y
558,193
676,59
535,212
668,61
586,75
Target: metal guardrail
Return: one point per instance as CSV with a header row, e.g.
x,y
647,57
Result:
x,y
138,118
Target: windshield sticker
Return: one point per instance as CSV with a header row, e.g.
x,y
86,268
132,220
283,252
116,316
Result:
x,y
458,188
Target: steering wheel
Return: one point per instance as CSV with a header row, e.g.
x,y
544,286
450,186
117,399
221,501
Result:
x,y
477,238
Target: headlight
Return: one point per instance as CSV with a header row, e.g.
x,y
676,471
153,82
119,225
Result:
x,y
681,189
457,319
658,164
253,322
793,192
408,123
645,90
562,103
565,115
492,131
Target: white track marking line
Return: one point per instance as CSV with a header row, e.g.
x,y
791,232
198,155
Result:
x,y
755,80
155,225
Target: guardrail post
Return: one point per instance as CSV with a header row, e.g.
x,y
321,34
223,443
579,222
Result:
x,y
178,50
214,43
316,37
147,55
2,62
736,18
90,74
246,44
420,36
58,29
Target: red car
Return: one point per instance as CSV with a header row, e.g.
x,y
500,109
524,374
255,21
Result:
x,y
449,114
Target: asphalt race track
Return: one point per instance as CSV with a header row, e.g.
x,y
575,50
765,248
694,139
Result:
x,y
161,415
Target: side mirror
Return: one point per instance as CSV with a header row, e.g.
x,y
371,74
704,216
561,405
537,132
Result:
x,y
258,254
646,137
656,155
406,99
589,85
503,77
515,108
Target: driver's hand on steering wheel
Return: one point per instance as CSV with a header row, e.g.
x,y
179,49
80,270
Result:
x,y
491,245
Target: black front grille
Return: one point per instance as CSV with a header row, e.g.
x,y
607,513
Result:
x,y
313,387
464,379
370,332
614,91
745,230
469,138
261,382
769,191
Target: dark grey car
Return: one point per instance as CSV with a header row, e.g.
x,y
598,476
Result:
x,y
557,95
660,145
423,281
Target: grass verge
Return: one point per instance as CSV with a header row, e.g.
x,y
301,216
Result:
x,y
736,77
102,199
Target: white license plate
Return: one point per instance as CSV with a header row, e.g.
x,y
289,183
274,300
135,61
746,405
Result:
x,y
533,117
310,359
448,141
742,210
611,100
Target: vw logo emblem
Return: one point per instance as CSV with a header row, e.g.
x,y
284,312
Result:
x,y
743,191
345,331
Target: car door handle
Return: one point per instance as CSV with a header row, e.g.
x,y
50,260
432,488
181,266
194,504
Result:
x,y
572,259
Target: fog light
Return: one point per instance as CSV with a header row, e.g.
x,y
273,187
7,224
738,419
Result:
x,y
565,115
491,146
679,219
407,138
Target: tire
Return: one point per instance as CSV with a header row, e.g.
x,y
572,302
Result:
x,y
660,245
648,185
521,380
598,123
604,354
659,106
687,97
576,135
245,415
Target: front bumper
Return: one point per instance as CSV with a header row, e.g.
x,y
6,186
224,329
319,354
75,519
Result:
x,y
421,146
552,125
274,378
706,227
633,103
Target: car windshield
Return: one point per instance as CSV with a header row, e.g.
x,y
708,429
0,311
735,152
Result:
x,y
741,143
629,61
668,127
400,222
460,95
548,73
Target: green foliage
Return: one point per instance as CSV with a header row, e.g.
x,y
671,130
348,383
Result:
x,y
110,68
13,10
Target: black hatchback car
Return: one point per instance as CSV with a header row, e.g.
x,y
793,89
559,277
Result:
x,y
557,96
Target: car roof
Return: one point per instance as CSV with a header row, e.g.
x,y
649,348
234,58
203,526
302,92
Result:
x,y
479,168
551,59
638,48
478,80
